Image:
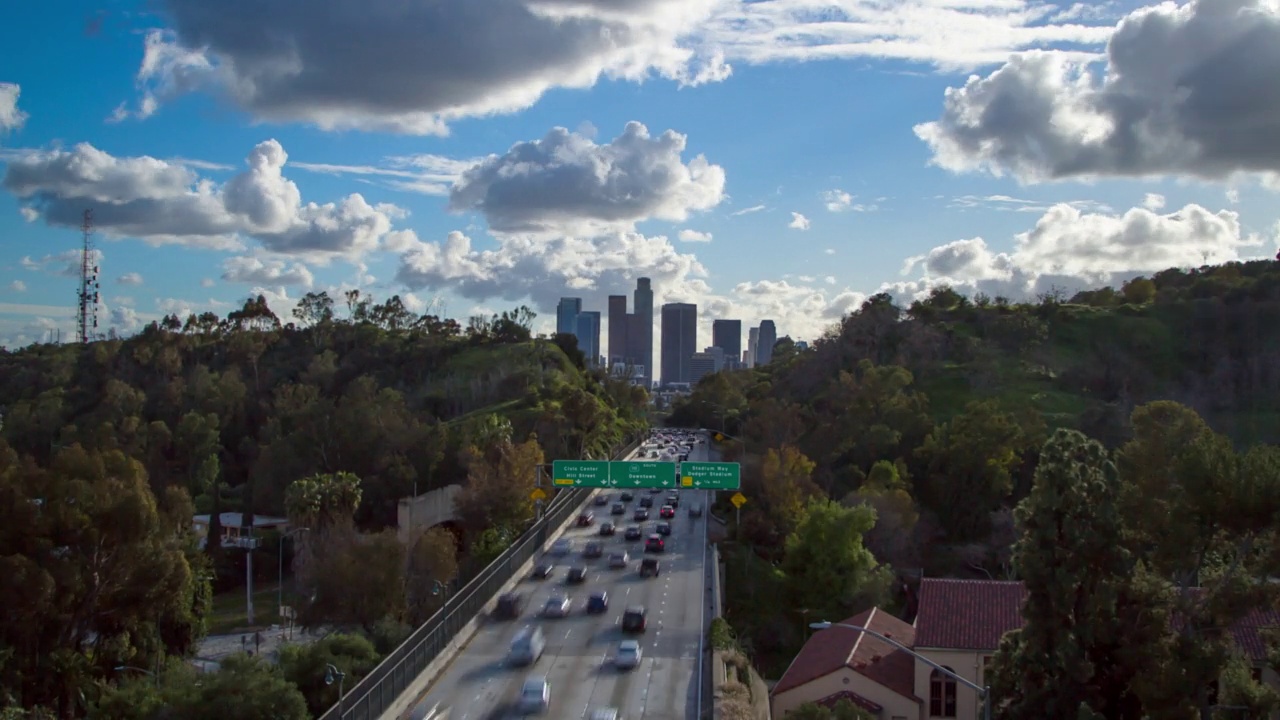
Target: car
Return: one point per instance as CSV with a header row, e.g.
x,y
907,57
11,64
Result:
x,y
557,606
628,656
593,549
509,606
605,714
627,497
527,646
543,571
666,511
634,620
617,561
663,528
654,491
650,566
601,500
633,533
655,544
563,546
618,509
607,529
598,602
640,515
586,518
646,502
576,576
673,500
535,696
695,510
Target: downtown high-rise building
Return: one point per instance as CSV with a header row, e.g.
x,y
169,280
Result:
x,y
765,342
753,345
679,341
727,335
588,333
640,330
618,322
567,315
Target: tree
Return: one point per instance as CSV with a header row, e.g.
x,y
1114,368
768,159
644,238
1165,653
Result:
x,y
354,580
1080,612
889,495
304,666
828,569
786,487
246,688
842,710
323,501
499,482
314,309
433,560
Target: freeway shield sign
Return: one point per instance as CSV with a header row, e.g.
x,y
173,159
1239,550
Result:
x,y
711,475
580,473
625,474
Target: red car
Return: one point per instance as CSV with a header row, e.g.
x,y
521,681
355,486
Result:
x,y
666,511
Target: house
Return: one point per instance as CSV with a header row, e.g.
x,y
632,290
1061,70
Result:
x,y
958,625
233,527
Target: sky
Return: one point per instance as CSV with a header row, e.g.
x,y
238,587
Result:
x,y
765,159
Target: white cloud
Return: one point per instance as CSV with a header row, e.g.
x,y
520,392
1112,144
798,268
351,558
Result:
x,y
29,214
1233,196
132,278
566,183
11,118
207,283
414,67
798,222
837,200
64,264
420,174
1008,203
165,203
748,211
1187,90
125,319
1153,201
694,236
18,286
259,271
829,251
1072,251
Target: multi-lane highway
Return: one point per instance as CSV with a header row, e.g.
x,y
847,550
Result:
x,y
578,661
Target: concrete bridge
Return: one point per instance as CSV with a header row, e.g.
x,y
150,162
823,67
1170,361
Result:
x,y
426,510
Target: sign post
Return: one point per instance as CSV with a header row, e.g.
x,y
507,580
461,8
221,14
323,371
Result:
x,y
738,501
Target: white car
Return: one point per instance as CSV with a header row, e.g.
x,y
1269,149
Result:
x,y
557,607
535,696
629,655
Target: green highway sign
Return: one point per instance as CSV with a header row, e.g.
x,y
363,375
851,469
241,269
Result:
x,y
710,475
625,474
580,473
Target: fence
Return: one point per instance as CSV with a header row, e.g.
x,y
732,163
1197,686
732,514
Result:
x,y
386,682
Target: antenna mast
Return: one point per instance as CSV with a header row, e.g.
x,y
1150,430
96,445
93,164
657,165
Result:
x,y
87,319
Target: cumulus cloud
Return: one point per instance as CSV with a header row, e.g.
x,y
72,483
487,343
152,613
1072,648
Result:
x,y
132,278
162,202
567,183
125,319
404,67
259,271
798,222
1153,201
18,286
694,236
1187,90
11,118
1072,250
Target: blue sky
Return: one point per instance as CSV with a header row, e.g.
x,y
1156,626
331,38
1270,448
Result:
x,y
822,151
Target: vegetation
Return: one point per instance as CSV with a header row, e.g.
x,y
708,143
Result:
x,y
108,449
1122,437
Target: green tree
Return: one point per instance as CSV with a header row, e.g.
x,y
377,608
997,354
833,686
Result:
x,y
433,560
828,570
842,710
246,688
500,480
354,580
786,487
889,495
304,666
324,501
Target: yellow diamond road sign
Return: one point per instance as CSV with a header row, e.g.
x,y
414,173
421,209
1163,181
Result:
x,y
719,437
686,481
538,494
738,500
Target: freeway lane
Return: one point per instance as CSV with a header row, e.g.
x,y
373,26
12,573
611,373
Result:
x,y
578,660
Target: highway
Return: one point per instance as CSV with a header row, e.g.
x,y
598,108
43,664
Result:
x,y
578,659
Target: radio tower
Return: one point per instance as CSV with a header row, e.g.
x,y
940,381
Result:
x,y
87,320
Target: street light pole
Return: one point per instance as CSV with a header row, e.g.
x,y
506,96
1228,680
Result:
x,y
983,692
331,671
280,587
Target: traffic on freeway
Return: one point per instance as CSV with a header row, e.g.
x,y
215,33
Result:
x,y
608,625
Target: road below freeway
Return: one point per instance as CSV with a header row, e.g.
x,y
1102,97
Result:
x,y
578,660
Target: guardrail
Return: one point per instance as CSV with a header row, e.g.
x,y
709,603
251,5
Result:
x,y
386,682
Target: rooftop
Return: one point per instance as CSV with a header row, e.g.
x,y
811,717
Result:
x,y
967,614
837,647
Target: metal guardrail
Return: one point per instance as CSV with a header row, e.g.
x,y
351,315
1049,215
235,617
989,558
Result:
x,y
385,683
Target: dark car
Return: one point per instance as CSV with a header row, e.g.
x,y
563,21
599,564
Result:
x,y
663,528
646,502
618,561
543,571
598,602
593,550
640,515
601,500
673,500
650,566
627,497
607,529
655,544
633,533
586,518
695,511
618,509
509,607
576,576
634,619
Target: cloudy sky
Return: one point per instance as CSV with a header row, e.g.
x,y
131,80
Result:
x,y
765,159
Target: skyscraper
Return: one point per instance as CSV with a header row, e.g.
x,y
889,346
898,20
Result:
x,y
589,336
764,345
753,344
679,341
618,323
727,335
567,315
640,329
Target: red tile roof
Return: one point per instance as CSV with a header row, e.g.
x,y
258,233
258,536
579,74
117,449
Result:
x,y
832,700
829,650
1249,636
967,614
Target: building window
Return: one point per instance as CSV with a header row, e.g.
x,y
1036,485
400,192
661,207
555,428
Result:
x,y
942,695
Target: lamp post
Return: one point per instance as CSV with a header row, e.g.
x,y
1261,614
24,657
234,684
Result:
x,y
983,692
280,587
331,672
